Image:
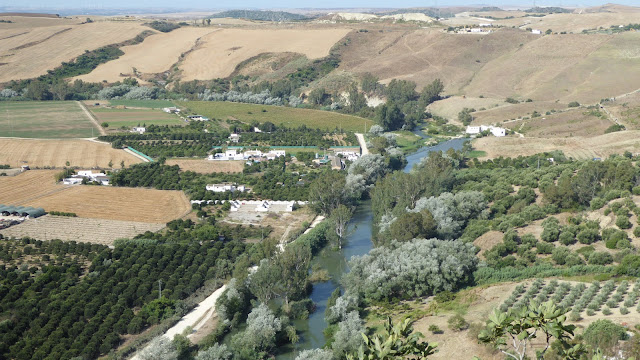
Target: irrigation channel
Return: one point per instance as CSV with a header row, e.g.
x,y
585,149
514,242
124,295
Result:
x,y
335,262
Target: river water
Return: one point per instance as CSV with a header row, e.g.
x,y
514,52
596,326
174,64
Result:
x,y
358,242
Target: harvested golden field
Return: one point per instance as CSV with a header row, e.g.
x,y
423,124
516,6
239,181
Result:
x,y
30,185
96,231
577,147
219,52
116,203
37,188
56,153
43,48
156,54
205,166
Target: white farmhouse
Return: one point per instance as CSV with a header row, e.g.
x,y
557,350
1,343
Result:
x,y
139,129
494,130
537,32
225,187
171,110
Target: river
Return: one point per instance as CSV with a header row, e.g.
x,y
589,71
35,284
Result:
x,y
358,242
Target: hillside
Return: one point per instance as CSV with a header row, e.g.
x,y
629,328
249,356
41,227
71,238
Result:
x,y
28,47
260,15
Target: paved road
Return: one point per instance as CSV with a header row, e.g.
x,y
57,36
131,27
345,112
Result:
x,y
363,144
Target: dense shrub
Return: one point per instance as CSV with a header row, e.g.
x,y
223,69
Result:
x,y
416,268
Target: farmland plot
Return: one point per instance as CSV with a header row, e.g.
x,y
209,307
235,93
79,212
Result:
x,y
56,153
134,117
45,119
97,231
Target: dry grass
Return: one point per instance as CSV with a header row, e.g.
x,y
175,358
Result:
x,y
55,153
37,188
506,111
579,122
204,166
97,231
573,22
577,147
450,107
487,241
155,55
219,52
46,52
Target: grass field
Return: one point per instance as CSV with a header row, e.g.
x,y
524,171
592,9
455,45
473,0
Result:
x,y
151,104
206,166
97,231
278,115
37,188
56,153
133,117
44,119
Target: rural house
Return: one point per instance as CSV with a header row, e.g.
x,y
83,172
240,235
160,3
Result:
x,y
225,187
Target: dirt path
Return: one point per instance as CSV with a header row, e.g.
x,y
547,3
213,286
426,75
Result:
x,y
196,318
363,144
92,118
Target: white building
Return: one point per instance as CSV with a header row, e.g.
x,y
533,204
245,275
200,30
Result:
x,y
495,131
198,118
101,178
171,110
537,32
225,187
139,129
234,138
349,155
235,155
256,130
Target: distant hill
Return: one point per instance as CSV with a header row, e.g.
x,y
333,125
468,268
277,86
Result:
x,y
260,15
489,8
434,13
547,10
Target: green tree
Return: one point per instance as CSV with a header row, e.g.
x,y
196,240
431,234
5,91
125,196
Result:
x,y
318,96
513,332
604,335
340,217
431,92
326,192
396,342
293,265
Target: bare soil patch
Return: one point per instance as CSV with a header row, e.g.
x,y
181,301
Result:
x,y
55,153
206,166
487,241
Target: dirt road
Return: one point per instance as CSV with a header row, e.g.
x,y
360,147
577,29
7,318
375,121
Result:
x,y
363,144
92,118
